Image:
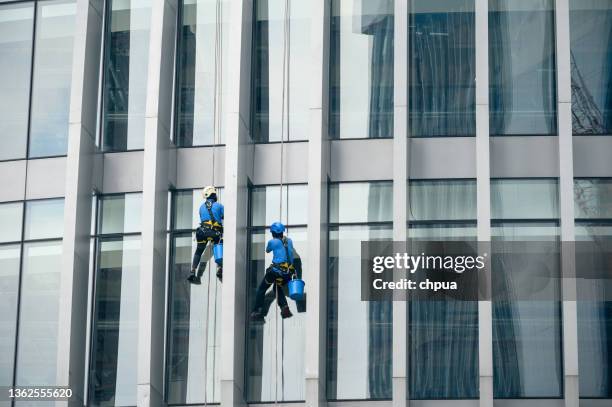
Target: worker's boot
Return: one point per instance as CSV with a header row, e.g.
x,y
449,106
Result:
x,y
220,273
194,279
257,316
286,312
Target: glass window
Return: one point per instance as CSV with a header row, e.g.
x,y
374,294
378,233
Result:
x,y
44,219
526,334
10,219
39,314
16,25
593,198
55,24
265,205
522,94
186,208
113,376
192,372
120,213
359,347
524,199
442,68
9,285
275,351
361,70
195,100
439,200
591,66
360,202
125,74
268,59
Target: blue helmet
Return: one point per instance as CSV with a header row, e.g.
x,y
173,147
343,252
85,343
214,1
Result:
x,y
277,227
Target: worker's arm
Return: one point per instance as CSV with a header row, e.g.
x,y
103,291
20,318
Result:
x,y
268,248
222,211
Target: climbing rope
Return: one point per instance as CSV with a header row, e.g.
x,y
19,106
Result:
x,y
216,137
285,114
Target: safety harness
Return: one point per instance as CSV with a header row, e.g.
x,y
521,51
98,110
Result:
x,y
212,223
286,267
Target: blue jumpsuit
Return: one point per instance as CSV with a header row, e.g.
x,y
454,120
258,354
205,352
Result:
x,y
279,271
209,230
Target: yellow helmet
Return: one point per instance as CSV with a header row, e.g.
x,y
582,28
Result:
x,y
208,191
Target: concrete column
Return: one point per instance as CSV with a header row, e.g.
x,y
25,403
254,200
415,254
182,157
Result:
x,y
400,195
238,154
158,108
317,230
483,196
71,363
566,203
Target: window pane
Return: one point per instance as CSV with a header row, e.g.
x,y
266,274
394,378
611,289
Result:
x,y
39,314
189,376
442,200
115,323
187,208
359,350
125,75
526,334
195,110
264,342
16,22
442,68
522,67
524,199
44,219
361,71
268,71
10,219
55,24
594,323
9,284
120,213
593,198
265,205
591,59
442,231
361,202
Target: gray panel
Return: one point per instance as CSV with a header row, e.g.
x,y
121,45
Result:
x,y
529,403
12,179
444,403
592,156
527,156
448,157
122,172
366,159
267,163
46,178
595,403
194,167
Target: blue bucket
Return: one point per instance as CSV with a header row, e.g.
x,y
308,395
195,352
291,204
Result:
x,y
296,289
218,253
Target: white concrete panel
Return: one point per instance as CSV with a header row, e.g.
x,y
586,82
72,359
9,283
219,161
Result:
x,y
443,157
12,179
46,178
524,156
592,156
267,163
367,159
122,172
194,167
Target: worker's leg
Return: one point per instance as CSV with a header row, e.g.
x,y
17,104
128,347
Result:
x,y
197,256
261,293
282,301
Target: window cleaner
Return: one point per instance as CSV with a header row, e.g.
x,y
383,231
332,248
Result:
x,y
278,273
210,230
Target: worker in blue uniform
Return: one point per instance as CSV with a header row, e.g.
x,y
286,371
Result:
x,y
277,274
210,230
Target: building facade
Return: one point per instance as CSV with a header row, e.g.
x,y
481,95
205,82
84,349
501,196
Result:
x,y
348,120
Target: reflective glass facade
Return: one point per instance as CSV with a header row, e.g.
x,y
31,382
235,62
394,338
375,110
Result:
x,y
522,93
36,71
274,116
114,340
361,69
275,350
126,51
441,68
359,334
591,66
